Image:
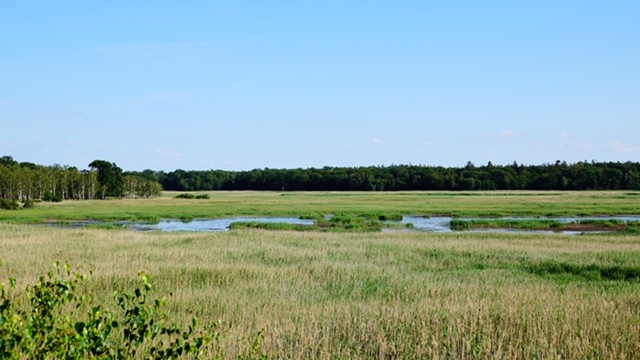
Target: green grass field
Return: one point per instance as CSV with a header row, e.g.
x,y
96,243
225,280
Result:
x,y
363,295
222,204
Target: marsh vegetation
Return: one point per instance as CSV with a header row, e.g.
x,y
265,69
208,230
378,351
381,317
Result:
x,y
364,295
314,294
254,203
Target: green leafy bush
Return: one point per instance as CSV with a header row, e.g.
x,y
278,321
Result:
x,y
185,196
48,196
390,217
28,203
41,323
191,196
8,204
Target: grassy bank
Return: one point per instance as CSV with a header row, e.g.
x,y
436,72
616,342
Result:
x,y
368,295
221,204
585,225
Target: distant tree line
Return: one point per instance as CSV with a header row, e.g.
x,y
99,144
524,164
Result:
x,y
24,181
556,176
27,181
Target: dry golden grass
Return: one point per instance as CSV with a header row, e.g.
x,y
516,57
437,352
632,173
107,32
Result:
x,y
389,295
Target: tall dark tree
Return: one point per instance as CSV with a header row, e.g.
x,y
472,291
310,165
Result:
x,y
7,161
110,178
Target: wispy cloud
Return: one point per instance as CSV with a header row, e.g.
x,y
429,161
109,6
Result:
x,y
376,141
618,146
508,134
168,154
567,142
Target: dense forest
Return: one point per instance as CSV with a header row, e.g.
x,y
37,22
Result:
x,y
556,176
24,181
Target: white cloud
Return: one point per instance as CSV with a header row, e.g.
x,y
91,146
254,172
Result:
x,y
167,153
376,141
576,144
508,134
622,147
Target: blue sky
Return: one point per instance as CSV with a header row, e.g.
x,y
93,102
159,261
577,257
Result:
x,y
239,85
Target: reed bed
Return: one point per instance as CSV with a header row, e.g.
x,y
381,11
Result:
x,y
365,295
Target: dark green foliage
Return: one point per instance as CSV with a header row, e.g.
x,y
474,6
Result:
x,y
28,203
60,322
606,225
347,219
311,217
390,217
105,226
192,196
603,222
585,271
7,161
459,225
9,204
110,178
186,218
48,196
525,224
271,226
553,176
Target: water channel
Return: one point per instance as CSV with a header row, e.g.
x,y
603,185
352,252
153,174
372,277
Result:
x,y
436,224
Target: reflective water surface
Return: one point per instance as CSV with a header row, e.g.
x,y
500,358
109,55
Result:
x,y
436,224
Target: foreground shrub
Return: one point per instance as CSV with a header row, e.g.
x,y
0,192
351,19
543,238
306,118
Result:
x,y
42,323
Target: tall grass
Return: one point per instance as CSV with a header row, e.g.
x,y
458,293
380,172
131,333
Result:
x,y
369,295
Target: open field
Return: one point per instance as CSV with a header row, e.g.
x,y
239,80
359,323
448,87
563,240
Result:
x,y
362,295
220,204
407,295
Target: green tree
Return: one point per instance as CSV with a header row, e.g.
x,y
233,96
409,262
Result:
x,y
110,178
